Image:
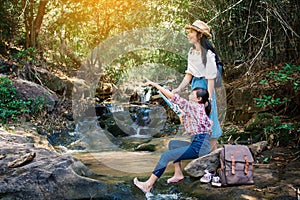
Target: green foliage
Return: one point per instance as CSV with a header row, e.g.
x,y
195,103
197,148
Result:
x,y
74,28
11,107
37,105
228,133
288,73
9,21
272,129
28,54
115,71
71,29
269,100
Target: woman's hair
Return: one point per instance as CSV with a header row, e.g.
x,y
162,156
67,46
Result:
x,y
203,93
205,46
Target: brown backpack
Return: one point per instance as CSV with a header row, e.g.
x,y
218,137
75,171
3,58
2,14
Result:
x,y
236,165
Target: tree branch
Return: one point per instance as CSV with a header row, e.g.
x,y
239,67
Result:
x,y
224,11
261,47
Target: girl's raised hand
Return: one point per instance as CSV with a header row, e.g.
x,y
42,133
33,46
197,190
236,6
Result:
x,y
150,83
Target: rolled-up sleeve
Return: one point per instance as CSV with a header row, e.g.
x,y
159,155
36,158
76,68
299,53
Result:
x,y
211,67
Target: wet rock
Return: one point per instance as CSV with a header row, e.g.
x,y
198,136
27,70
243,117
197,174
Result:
x,y
145,147
77,145
82,170
2,156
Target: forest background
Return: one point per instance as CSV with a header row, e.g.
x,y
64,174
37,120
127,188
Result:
x,y
257,40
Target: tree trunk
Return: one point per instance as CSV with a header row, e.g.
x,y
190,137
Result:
x,y
26,23
39,18
33,24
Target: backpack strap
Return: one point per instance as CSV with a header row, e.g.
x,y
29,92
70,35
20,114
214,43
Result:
x,y
232,164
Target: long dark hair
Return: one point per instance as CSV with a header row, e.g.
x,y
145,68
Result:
x,y
203,93
205,46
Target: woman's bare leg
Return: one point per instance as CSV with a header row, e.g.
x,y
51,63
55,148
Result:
x,y
178,175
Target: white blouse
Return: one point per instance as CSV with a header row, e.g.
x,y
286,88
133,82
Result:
x,y
198,69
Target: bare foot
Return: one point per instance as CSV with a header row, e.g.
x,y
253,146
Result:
x,y
142,185
175,179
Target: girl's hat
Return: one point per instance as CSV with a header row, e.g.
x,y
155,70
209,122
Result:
x,y
201,27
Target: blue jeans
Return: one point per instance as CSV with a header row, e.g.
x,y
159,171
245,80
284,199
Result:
x,y
216,128
183,150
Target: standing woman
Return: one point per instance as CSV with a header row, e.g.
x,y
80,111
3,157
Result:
x,y
202,70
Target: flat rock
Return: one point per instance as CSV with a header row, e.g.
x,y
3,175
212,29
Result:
x,y
197,166
29,172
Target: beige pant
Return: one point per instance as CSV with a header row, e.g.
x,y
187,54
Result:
x,y
213,144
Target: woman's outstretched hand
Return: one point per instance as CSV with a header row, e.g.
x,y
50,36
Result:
x,y
176,90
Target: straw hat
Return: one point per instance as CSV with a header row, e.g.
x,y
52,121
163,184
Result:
x,y
201,27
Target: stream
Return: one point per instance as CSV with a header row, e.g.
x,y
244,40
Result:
x,y
101,152
116,160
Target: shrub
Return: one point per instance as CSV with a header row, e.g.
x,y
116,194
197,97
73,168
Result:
x,y
288,73
11,107
272,129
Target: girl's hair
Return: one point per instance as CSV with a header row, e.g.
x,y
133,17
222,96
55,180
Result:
x,y
203,93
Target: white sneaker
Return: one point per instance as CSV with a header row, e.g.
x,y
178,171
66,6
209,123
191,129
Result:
x,y
206,178
216,181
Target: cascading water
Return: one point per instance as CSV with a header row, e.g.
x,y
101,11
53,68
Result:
x,y
139,119
112,121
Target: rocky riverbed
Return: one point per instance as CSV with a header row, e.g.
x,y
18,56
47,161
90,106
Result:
x,y
30,168
276,176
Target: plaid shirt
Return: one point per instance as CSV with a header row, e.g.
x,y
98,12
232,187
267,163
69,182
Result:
x,y
194,118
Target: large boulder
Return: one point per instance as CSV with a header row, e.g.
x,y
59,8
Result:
x,y
210,162
64,85
30,90
29,172
61,85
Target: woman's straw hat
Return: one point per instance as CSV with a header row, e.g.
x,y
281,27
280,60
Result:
x,y
201,27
